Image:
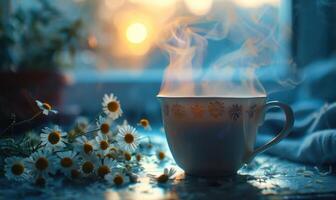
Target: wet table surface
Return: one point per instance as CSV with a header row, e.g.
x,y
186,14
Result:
x,y
265,178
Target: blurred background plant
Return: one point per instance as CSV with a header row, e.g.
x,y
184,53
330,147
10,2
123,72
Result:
x,y
38,38
37,41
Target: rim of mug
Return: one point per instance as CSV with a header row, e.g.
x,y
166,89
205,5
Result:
x,y
209,97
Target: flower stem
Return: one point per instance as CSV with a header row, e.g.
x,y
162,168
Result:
x,y
13,124
94,130
28,120
84,133
37,147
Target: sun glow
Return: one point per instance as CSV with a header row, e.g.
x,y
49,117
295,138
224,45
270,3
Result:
x,y
199,7
136,33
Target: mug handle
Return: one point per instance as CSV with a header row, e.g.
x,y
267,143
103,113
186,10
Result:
x,y
283,133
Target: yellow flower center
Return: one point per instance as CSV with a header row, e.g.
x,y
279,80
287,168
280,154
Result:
x,y
54,137
40,181
162,178
118,180
129,138
161,155
41,163
87,148
127,156
66,162
113,106
75,173
103,170
46,106
104,145
104,128
17,169
138,157
87,167
144,122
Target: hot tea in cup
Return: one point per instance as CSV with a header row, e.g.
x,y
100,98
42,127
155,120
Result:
x,y
215,136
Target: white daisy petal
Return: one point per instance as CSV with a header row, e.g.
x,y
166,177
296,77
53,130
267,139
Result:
x,y
67,162
102,143
85,146
45,107
89,164
39,103
53,138
117,178
104,126
42,162
111,106
16,169
128,138
171,172
105,167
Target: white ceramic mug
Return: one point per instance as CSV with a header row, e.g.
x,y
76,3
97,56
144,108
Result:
x,y
215,136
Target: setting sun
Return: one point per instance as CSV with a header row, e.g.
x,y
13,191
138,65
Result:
x,y
136,33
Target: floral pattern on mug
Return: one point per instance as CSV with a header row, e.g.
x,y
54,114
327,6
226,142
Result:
x,y
251,111
178,111
197,110
235,112
216,109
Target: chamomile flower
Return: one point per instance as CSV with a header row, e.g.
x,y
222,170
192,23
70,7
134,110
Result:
x,y
127,156
45,107
40,180
88,165
112,153
53,138
160,155
145,124
102,144
118,127
111,106
104,126
81,125
105,167
42,163
75,174
16,169
85,146
128,138
138,157
117,178
167,174
66,162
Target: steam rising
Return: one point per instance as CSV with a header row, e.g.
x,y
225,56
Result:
x,y
253,39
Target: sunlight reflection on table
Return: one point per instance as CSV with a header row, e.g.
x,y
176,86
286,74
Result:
x,y
264,176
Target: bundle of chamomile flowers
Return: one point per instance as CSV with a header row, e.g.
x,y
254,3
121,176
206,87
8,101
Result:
x,y
108,151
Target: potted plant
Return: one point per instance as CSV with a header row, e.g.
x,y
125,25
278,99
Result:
x,y
34,43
